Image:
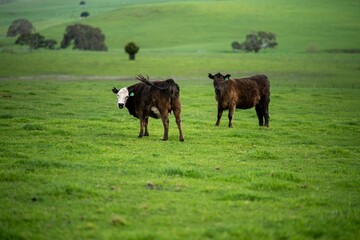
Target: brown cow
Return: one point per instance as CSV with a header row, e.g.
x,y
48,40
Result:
x,y
242,93
152,99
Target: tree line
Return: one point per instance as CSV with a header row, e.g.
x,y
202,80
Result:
x,y
80,36
85,37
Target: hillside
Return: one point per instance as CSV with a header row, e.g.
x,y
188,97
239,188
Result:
x,y
198,25
190,38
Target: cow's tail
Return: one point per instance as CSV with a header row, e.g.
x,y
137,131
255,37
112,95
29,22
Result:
x,y
174,89
146,81
171,86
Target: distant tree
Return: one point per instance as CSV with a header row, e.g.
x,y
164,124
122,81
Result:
x,y
268,39
35,41
82,2
84,37
252,43
19,27
131,48
256,41
84,14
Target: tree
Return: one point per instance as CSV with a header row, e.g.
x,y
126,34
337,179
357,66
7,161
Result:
x,y
256,41
19,27
131,48
84,14
84,37
236,45
35,41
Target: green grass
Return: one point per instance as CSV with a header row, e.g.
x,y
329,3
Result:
x,y
72,167
300,70
71,163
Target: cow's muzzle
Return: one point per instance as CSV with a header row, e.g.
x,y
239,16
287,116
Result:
x,y
121,105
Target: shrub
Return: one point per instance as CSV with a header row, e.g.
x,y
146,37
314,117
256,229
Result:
x,y
19,27
85,38
131,48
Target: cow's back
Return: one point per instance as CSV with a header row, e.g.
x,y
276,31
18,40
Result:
x,y
263,84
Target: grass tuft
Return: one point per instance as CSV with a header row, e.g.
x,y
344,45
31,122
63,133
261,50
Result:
x,y
33,127
117,220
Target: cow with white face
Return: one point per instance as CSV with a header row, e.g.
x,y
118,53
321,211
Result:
x,y
152,99
122,95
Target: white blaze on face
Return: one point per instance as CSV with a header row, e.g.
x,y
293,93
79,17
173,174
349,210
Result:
x,y
122,96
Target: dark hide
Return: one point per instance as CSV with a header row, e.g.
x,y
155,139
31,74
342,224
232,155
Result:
x,y
242,93
154,99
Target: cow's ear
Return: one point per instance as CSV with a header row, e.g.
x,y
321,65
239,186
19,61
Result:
x,y
132,94
114,90
227,76
211,76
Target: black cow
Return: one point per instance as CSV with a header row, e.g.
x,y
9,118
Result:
x,y
152,99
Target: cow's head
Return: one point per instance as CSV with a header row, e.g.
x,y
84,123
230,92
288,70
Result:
x,y
122,95
219,77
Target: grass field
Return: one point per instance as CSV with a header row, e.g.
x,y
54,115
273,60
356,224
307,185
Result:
x,y
72,166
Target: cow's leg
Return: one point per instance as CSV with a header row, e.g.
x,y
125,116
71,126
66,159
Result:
x,y
142,126
231,115
177,113
266,112
165,120
146,127
219,114
260,113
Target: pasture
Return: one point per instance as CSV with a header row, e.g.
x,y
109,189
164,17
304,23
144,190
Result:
x,y
72,166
